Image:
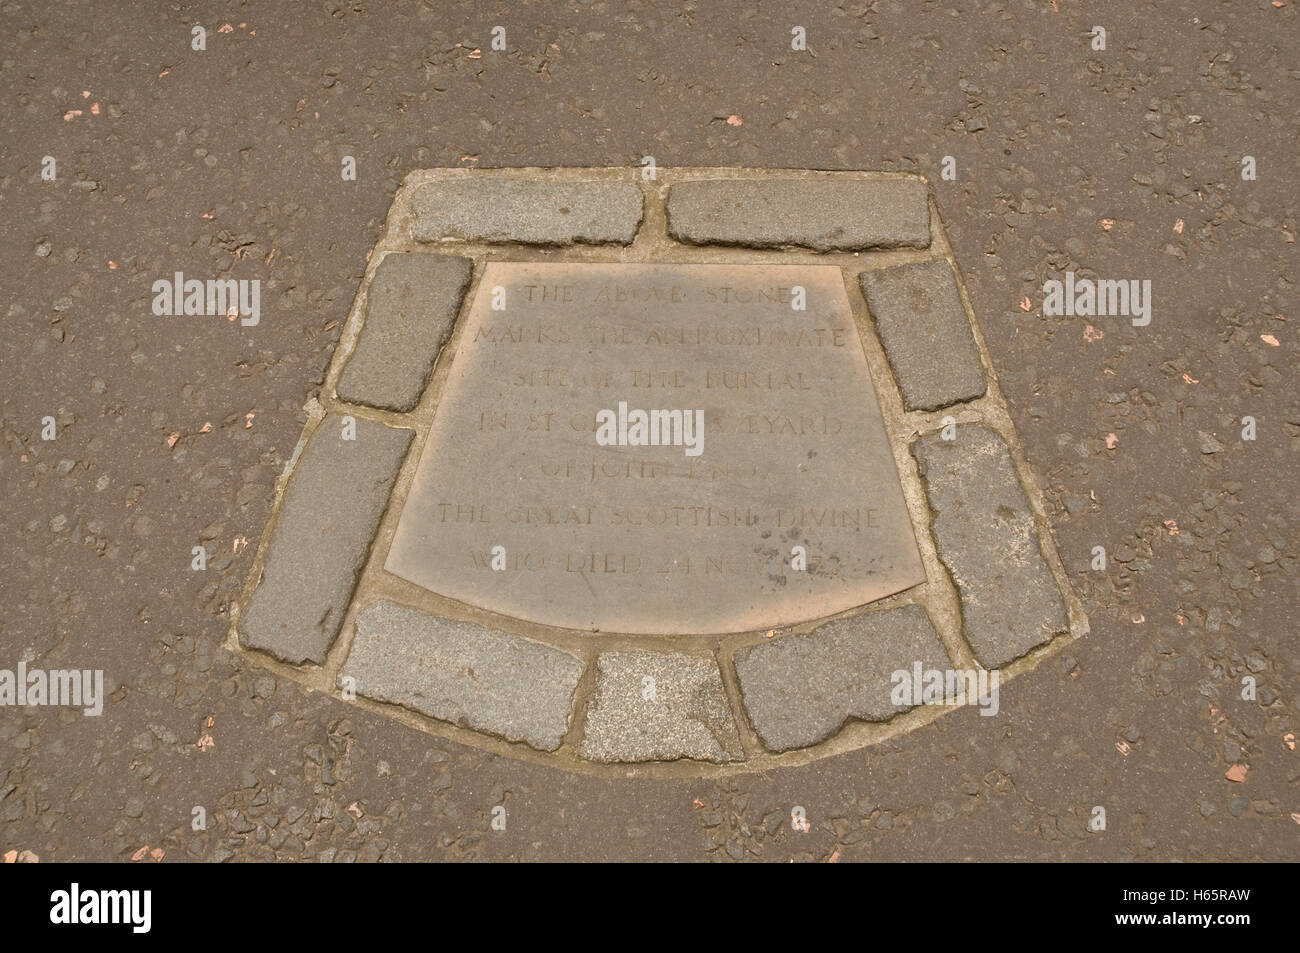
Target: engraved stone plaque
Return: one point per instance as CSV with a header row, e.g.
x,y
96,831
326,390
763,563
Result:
x,y
654,449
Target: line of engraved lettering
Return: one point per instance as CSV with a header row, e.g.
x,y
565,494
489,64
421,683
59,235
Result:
x,y
626,563
679,516
599,470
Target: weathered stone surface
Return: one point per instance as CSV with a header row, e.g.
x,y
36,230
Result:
x,y
335,498
464,673
658,706
651,539
410,311
800,690
927,337
528,212
821,214
984,528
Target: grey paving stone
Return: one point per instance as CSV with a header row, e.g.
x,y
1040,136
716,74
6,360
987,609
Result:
x,y
984,528
926,335
681,713
800,690
410,311
529,212
464,673
336,495
819,214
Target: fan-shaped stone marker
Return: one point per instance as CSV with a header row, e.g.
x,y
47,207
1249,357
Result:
x,y
763,449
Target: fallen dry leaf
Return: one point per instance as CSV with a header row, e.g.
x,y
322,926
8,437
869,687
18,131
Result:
x,y
1107,224
734,120
1111,440
1236,773
1190,379
355,810
1178,227
1025,304
1123,748
1289,739
140,853
171,441
71,114
11,856
1269,340
157,853
1091,334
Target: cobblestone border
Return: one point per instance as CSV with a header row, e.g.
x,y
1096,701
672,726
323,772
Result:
x,y
754,722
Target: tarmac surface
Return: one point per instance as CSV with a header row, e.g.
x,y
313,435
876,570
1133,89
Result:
x,y
1125,162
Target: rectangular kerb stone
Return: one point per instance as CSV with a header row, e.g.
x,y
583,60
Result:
x,y
821,214
410,310
984,527
927,337
528,212
800,690
464,673
659,706
331,510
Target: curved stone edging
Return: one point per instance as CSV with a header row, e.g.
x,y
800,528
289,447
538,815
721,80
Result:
x,y
995,592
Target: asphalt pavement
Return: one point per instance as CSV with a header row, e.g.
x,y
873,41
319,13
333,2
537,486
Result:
x,y
169,431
